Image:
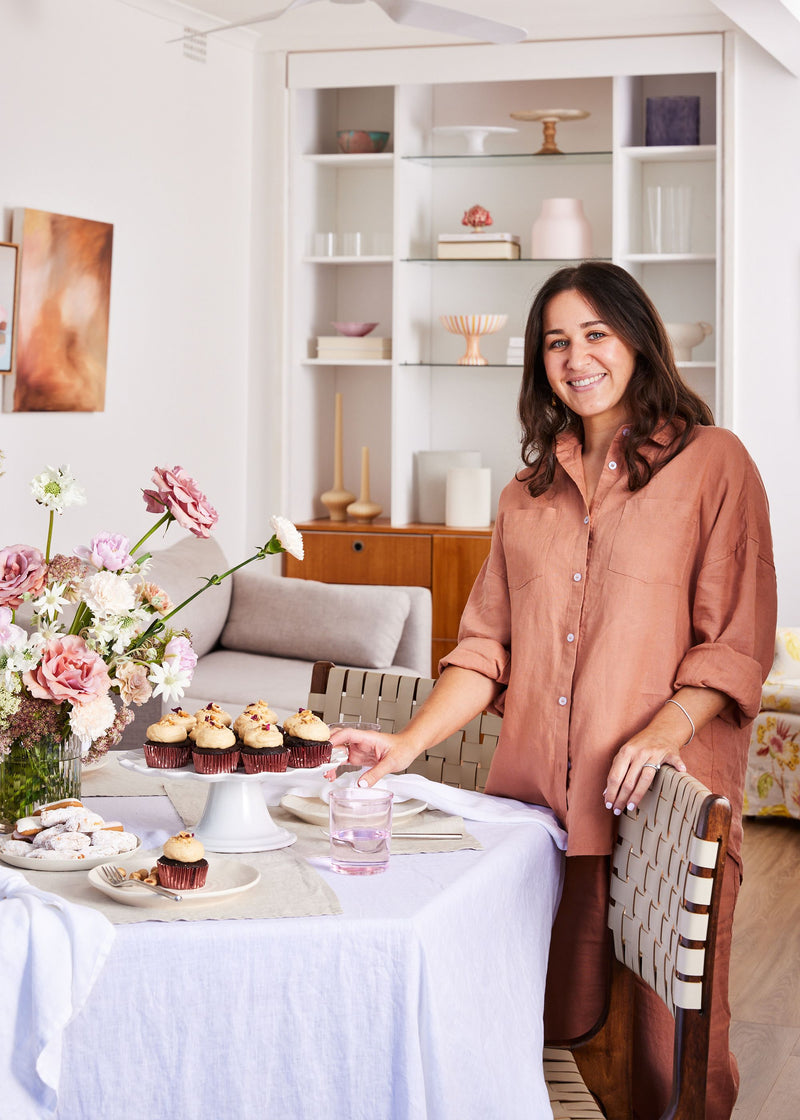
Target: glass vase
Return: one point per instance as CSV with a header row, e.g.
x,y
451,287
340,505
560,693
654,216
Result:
x,y
33,774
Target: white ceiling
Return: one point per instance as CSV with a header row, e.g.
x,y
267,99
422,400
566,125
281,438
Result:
x,y
350,23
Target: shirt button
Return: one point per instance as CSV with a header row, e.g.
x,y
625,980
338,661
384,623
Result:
x,y
570,637
612,466
626,431
586,520
577,577
562,700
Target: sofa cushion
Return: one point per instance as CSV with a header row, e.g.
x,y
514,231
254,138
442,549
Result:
x,y
180,569
350,624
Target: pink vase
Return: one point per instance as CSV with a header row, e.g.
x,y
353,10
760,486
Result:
x,y
562,231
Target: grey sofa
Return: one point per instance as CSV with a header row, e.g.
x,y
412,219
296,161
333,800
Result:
x,y
257,635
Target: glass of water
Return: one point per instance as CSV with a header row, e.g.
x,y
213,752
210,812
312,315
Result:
x,y
360,829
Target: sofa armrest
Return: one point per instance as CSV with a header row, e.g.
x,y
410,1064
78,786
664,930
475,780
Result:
x,y
414,649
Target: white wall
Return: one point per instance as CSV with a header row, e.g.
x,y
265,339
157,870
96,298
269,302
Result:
x,y
102,120
766,319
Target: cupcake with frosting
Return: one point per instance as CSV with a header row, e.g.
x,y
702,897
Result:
x,y
167,745
264,750
205,718
183,717
255,714
215,750
307,738
217,712
182,866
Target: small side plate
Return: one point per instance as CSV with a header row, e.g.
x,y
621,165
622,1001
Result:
x,y
225,877
314,810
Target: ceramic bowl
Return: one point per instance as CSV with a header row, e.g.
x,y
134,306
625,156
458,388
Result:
x,y
354,330
355,141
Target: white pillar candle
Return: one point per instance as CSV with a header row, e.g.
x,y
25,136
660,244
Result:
x,y
468,503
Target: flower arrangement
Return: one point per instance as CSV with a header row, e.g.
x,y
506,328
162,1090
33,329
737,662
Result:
x,y
477,218
98,627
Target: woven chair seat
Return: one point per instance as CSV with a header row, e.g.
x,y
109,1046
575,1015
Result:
x,y
569,1097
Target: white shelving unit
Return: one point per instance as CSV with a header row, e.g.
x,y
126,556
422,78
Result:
x,y
403,198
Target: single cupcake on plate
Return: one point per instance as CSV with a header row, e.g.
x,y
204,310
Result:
x,y
183,866
264,750
215,750
167,745
307,738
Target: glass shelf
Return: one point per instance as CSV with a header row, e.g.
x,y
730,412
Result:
x,y
356,159
512,159
346,362
670,258
457,365
497,260
677,153
363,259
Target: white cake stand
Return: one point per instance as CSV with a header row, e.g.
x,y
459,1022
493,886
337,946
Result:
x,y
236,817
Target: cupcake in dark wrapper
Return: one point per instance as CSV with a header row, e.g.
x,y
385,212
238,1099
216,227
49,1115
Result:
x,y
215,750
264,751
308,740
183,866
167,745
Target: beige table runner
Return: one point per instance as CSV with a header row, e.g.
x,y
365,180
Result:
x,y
289,888
112,780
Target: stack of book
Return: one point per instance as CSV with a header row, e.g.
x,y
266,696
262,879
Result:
x,y
478,247
515,352
346,348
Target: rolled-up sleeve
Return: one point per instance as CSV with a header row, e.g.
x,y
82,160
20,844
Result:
x,y
734,611
484,635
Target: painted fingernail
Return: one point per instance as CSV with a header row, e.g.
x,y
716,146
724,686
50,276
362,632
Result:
x,y
617,812
631,806
608,804
363,783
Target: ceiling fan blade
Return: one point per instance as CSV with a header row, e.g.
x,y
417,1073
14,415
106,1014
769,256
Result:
x,y
433,17
244,22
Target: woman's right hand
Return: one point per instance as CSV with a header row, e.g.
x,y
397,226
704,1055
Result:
x,y
382,753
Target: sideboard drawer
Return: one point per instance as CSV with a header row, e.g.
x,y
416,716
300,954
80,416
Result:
x,y
353,557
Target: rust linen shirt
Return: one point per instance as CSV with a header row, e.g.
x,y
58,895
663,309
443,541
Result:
x,y
593,618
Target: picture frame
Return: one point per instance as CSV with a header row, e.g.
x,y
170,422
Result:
x,y
9,281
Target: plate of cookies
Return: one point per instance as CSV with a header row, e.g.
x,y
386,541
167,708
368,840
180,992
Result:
x,y
66,836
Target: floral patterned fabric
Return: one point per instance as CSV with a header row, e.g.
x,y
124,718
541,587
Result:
x,y
772,786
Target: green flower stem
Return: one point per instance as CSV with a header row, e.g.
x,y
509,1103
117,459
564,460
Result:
x,y
49,537
272,547
166,519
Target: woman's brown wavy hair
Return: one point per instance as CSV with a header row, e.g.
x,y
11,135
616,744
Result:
x,y
656,392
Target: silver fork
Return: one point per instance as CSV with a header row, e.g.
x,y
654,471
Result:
x,y
116,879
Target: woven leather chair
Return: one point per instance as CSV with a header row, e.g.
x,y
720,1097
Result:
x,y
664,900
342,695
666,879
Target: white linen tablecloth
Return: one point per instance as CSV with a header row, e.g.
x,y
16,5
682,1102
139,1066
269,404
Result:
x,y
422,1001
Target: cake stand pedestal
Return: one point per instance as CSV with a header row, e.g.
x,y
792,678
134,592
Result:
x,y
236,817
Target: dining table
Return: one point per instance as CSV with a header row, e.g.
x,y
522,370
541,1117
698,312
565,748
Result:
x,y
415,994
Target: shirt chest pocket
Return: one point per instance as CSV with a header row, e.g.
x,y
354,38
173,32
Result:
x,y
527,537
653,541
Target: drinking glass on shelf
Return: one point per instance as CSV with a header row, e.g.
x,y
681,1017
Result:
x,y
669,217
324,244
360,829
352,244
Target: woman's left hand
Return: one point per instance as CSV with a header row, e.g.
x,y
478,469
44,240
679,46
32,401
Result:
x,y
635,765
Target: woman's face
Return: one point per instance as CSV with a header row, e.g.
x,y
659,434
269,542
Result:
x,y
588,366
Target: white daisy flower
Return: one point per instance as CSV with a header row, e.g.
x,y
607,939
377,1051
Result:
x,y
56,489
51,602
169,681
289,536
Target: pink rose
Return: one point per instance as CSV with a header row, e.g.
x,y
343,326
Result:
x,y
69,671
22,570
179,653
107,550
134,687
178,494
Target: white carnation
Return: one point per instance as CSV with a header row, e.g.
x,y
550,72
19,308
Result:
x,y
90,721
289,536
107,594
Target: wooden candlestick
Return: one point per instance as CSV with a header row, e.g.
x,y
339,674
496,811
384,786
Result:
x,y
337,499
364,510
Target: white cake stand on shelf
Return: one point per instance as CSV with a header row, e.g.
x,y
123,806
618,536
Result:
x,y
236,817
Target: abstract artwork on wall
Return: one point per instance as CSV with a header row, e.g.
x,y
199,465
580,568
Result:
x,y
62,313
8,303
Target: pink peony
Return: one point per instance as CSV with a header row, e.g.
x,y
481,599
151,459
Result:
x,y
107,550
180,655
69,671
134,687
177,493
22,571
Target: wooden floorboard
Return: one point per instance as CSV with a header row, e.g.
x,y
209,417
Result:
x,y
765,973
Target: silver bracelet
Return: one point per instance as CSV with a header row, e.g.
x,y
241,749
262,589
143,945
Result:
x,y
691,721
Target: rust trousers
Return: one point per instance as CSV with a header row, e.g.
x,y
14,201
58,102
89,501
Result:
x,y
577,982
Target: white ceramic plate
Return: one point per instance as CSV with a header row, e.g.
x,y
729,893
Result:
x,y
314,810
225,877
85,864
